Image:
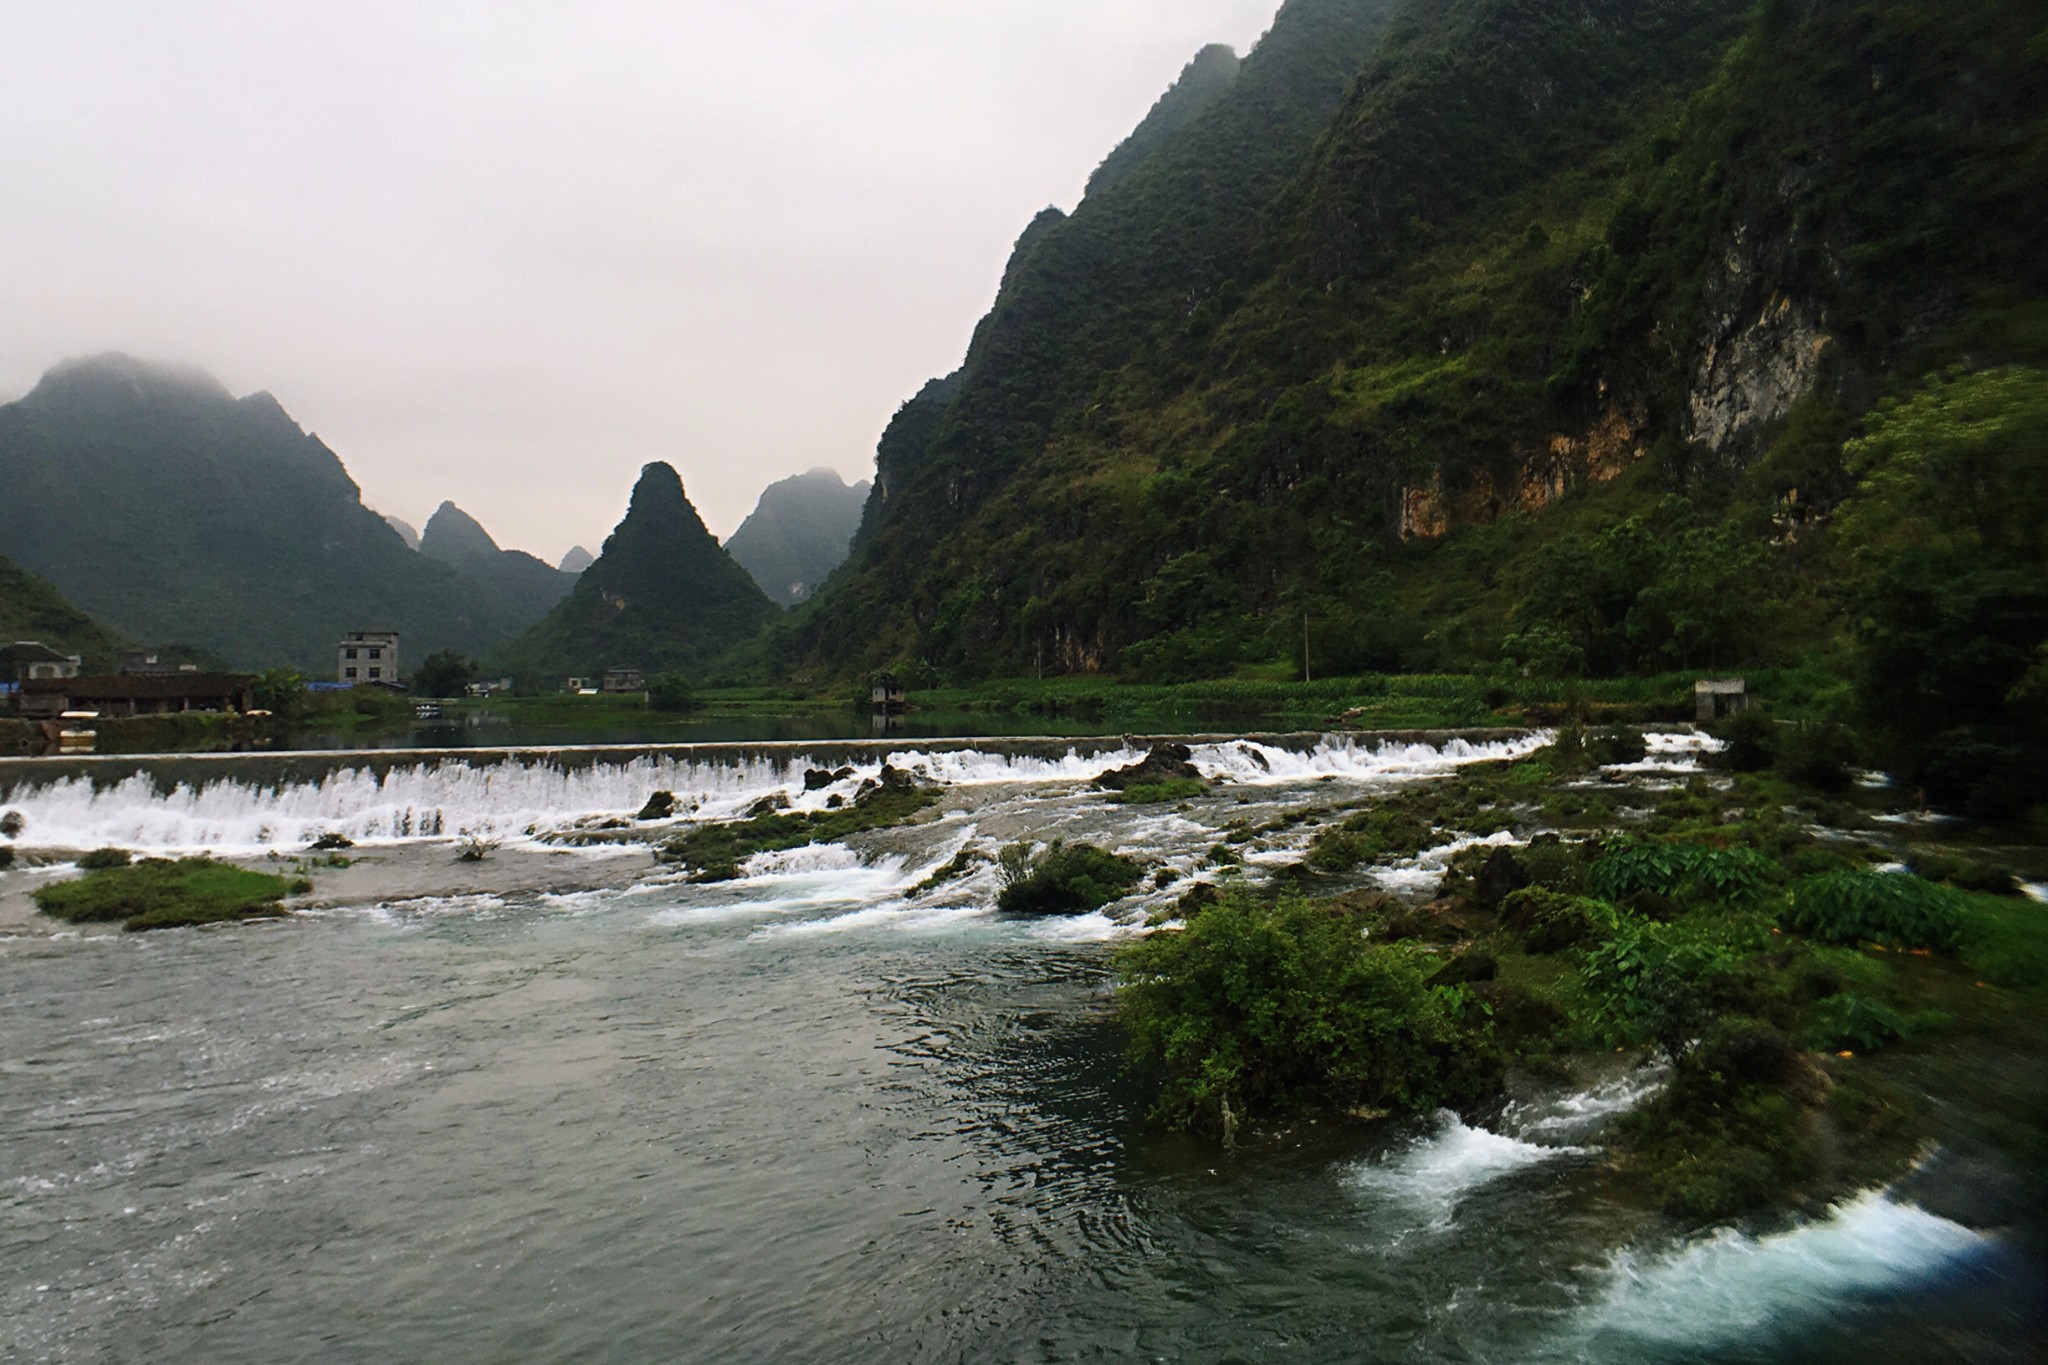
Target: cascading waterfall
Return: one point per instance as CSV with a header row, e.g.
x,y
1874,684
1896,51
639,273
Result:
x,y
443,798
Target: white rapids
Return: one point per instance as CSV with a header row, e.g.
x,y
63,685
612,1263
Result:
x,y
443,798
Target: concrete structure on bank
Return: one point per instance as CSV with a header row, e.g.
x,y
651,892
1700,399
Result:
x,y
1717,698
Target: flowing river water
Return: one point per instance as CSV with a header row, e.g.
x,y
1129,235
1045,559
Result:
x,y
806,1116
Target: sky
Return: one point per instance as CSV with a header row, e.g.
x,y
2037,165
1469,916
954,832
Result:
x,y
506,252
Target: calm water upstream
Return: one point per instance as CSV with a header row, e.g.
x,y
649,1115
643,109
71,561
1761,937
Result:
x,y
796,1119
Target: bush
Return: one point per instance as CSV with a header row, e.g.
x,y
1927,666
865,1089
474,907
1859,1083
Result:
x,y
100,859
1752,740
1067,879
1676,871
158,894
1896,909
1819,756
1860,1024
1258,1009
1550,921
1649,984
1617,744
671,692
1727,1133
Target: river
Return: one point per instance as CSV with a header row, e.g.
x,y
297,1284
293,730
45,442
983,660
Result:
x,y
803,1118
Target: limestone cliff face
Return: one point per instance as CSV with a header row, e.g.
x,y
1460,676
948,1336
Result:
x,y
1533,482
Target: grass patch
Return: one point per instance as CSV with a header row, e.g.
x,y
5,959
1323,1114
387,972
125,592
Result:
x,y
160,894
1161,793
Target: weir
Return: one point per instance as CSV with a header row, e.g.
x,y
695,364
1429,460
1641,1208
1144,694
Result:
x,y
166,773
267,801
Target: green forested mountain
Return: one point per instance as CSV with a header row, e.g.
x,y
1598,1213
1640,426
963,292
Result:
x,y
798,533
177,513
523,586
1471,333
661,596
30,609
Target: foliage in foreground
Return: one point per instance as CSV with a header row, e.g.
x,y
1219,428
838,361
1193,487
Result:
x,y
1269,1008
160,894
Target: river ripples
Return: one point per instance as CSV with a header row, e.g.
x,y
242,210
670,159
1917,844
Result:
x,y
655,1124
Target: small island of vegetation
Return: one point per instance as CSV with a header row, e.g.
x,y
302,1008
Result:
x,y
160,893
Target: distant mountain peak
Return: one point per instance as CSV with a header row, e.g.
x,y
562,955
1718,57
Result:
x,y
662,595
453,534
405,529
577,560
799,532
113,374
1203,82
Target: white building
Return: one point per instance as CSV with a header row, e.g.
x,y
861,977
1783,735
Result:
x,y
368,656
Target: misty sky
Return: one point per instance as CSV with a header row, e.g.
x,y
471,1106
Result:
x,y
507,252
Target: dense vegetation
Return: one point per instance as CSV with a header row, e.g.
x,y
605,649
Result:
x,y
662,596
1484,333
176,513
1741,929
798,532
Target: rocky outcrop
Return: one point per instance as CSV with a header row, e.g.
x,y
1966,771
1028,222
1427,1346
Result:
x,y
1165,763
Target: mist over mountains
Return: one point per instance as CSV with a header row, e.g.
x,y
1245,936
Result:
x,y
799,533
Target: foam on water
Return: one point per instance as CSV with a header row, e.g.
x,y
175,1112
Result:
x,y
1433,1174
1577,1117
1422,872
1731,1285
1353,758
1672,752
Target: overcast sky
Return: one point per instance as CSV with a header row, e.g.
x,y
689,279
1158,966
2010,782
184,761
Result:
x,y
506,252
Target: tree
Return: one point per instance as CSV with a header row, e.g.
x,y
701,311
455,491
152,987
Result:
x,y
1947,531
281,692
670,692
445,674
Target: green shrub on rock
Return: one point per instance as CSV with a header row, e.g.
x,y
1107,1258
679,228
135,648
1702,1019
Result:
x,y
1859,1024
101,859
1261,1009
1649,983
1066,879
1679,871
1729,1132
